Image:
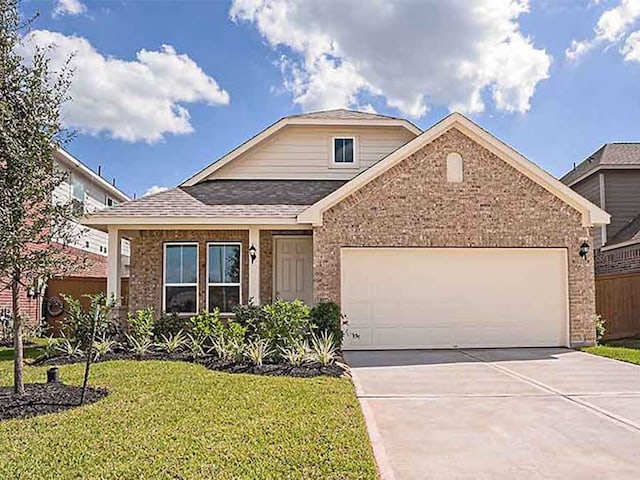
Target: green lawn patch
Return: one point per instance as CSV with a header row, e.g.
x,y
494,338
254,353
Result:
x,y
626,350
180,420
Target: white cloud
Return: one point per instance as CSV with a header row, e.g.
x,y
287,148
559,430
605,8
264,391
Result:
x,y
413,53
631,48
129,100
612,26
68,7
155,189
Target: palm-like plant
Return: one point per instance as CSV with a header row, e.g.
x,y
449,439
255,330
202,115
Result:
x,y
324,348
173,343
139,346
256,351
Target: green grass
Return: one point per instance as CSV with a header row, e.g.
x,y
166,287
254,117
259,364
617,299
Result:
x,y
626,350
180,421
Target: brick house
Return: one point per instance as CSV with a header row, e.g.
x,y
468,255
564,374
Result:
x,y
441,238
90,192
610,178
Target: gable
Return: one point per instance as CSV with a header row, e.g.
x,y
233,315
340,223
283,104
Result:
x,y
305,152
591,214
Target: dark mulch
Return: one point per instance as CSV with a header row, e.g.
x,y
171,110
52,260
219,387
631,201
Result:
x,y
42,398
310,369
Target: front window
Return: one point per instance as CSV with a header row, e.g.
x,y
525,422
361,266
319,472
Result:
x,y
110,202
223,276
181,278
77,189
344,151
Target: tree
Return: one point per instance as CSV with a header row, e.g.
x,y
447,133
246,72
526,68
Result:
x,y
35,230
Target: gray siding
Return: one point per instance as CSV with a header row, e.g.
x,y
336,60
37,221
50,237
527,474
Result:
x,y
622,195
589,188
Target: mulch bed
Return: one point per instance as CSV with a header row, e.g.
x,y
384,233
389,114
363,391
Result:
x,y
42,398
309,369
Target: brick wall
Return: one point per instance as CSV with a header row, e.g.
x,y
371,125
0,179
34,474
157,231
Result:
x,y
413,205
620,260
145,278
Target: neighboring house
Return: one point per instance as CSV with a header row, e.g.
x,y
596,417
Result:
x,y
89,192
610,178
437,239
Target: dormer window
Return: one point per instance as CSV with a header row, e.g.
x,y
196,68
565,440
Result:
x,y
344,152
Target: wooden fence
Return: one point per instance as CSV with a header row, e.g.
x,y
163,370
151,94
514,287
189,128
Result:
x,y
77,287
618,301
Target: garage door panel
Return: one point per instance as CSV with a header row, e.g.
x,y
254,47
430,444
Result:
x,y
454,297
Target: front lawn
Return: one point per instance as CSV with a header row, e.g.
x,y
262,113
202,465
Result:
x,y
180,420
626,350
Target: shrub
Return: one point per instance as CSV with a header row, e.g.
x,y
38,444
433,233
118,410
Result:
x,y
230,351
172,343
285,323
141,325
209,326
250,316
139,345
80,321
297,353
324,348
195,345
102,347
600,327
51,346
257,351
169,324
69,348
325,316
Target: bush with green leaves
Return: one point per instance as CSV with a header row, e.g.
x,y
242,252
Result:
x,y
141,325
139,346
250,316
69,348
297,353
231,350
209,326
169,324
284,323
79,321
102,347
326,317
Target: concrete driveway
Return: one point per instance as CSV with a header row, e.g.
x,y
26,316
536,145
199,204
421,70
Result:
x,y
500,414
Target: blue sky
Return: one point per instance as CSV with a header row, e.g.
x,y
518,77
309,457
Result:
x,y
554,79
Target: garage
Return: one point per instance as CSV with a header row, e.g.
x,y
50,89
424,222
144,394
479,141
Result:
x,y
400,298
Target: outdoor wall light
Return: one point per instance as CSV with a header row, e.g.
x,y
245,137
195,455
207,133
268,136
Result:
x,y
584,250
253,253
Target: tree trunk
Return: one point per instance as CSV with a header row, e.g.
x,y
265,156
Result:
x,y
18,354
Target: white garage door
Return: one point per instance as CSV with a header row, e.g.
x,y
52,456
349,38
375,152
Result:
x,y
454,297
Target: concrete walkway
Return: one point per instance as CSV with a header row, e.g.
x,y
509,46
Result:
x,y
510,414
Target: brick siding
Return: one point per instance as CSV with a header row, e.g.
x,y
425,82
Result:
x,y
619,261
413,205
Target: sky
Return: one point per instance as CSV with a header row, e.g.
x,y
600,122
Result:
x,y
163,88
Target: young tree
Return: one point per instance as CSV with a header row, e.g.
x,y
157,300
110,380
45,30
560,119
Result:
x,y
34,229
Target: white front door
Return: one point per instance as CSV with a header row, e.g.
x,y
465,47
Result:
x,y
293,274
454,297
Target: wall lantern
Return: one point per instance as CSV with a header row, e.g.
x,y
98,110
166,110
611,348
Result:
x,y
584,250
253,253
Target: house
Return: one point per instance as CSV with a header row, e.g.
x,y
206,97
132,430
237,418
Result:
x,y
610,178
437,239
89,192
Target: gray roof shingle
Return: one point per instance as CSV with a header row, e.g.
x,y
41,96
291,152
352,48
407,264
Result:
x,y
344,114
608,154
228,198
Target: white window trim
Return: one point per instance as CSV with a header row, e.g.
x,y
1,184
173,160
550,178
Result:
x,y
356,152
164,276
84,188
218,284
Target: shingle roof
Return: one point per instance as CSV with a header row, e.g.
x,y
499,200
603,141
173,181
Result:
x,y
344,114
228,198
608,154
630,232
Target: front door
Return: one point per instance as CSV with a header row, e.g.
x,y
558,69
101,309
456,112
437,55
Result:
x,y
293,275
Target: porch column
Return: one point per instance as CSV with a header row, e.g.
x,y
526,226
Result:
x,y
114,264
254,265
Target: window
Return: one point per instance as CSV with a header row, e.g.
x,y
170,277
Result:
x,y
110,202
454,168
344,151
223,276
77,189
181,277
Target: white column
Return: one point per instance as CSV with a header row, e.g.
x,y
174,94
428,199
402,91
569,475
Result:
x,y
254,266
114,263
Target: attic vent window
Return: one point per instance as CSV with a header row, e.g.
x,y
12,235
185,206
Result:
x,y
344,151
454,168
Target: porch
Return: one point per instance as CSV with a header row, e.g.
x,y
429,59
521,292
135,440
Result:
x,y
189,269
